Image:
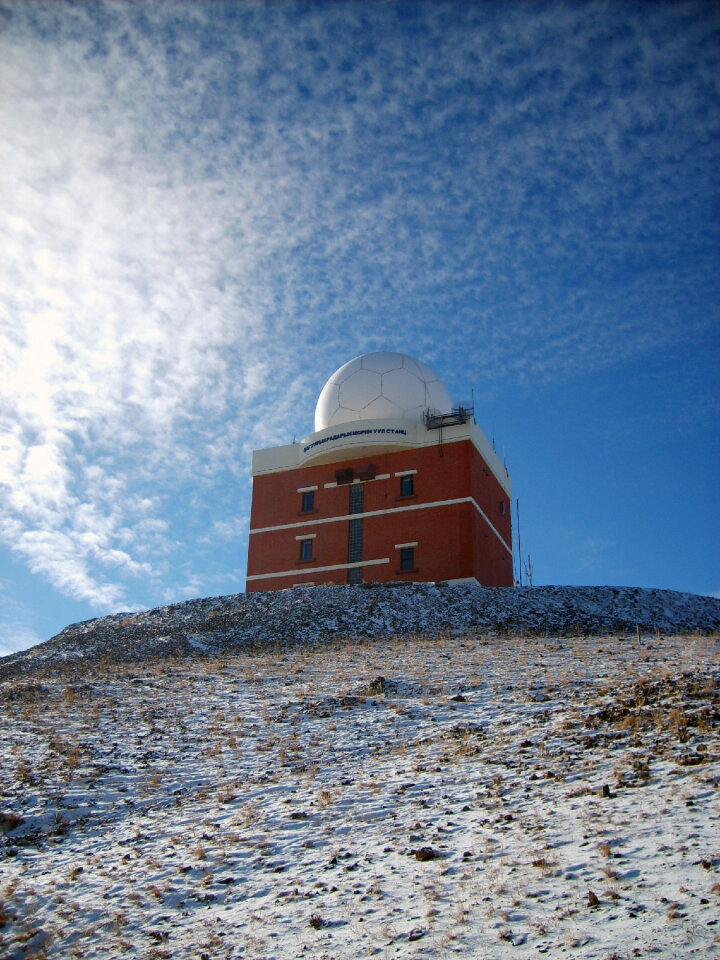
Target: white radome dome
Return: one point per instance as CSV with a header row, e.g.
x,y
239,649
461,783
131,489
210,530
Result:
x,y
381,386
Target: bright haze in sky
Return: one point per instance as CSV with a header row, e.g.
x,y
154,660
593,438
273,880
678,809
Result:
x,y
210,207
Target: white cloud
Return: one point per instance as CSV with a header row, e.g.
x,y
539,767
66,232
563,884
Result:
x,y
232,529
15,631
14,638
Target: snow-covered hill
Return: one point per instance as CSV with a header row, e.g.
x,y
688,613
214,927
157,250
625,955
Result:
x,y
222,625
471,795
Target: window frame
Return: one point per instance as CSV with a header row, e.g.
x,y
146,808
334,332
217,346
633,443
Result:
x,y
307,504
407,559
407,481
306,546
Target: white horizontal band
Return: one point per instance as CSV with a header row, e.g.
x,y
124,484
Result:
x,y
306,536
405,473
402,546
379,513
305,571
306,489
380,476
487,521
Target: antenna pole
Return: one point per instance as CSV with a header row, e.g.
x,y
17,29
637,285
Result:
x,y
517,513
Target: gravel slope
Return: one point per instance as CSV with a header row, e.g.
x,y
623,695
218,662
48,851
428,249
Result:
x,y
222,625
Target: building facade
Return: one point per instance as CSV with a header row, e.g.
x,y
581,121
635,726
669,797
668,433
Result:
x,y
419,497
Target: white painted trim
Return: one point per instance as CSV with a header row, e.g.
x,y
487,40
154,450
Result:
x,y
487,521
305,571
361,516
401,546
306,536
380,476
306,489
405,473
464,580
379,513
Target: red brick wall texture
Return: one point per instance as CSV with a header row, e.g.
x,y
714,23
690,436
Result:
x,y
454,540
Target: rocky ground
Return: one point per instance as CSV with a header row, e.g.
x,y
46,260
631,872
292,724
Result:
x,y
462,792
243,622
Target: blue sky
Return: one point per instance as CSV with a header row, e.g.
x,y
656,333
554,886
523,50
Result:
x,y
208,208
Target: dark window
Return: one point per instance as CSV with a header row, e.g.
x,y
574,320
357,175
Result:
x,y
357,498
308,501
355,575
407,558
502,508
355,541
406,486
306,549
345,475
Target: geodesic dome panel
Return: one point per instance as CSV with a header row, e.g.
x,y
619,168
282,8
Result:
x,y
380,362
382,409
355,389
404,388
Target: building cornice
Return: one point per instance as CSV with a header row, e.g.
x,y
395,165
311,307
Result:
x,y
366,438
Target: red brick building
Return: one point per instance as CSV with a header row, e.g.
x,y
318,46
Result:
x,y
420,497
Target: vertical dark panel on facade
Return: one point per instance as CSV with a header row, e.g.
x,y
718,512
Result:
x,y
355,532
357,498
355,541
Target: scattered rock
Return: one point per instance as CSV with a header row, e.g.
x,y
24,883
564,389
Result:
x,y
462,731
690,759
426,853
9,821
374,688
